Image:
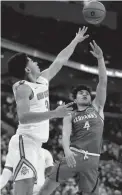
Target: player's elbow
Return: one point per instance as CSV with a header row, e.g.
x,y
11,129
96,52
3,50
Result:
x,y
103,81
65,138
23,118
61,60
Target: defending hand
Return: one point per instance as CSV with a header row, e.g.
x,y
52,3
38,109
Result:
x,y
64,110
80,35
97,51
70,158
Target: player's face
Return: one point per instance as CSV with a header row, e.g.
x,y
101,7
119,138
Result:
x,y
33,67
83,98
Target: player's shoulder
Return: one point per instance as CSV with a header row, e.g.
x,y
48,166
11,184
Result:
x,y
21,89
42,80
98,110
46,153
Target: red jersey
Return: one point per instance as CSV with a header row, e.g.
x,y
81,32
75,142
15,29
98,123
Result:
x,y
87,130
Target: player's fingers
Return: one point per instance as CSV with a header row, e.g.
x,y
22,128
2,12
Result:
x,y
69,109
79,30
74,154
86,28
83,28
69,104
92,46
73,161
85,37
95,44
63,104
93,53
68,162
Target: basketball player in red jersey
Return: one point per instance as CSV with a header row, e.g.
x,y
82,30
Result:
x,y
82,135
31,92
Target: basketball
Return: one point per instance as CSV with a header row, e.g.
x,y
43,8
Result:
x,y
94,12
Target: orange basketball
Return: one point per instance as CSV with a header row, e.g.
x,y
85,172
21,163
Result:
x,y
94,12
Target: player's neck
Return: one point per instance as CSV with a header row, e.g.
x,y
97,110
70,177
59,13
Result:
x,y
31,78
81,108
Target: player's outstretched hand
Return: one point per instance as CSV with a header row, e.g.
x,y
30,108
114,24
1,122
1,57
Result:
x,y
80,36
64,110
97,51
70,158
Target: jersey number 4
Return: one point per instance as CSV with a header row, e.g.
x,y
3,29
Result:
x,y
87,125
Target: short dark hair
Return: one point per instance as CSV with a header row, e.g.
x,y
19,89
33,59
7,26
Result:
x,y
79,88
17,64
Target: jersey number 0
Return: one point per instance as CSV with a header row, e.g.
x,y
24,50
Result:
x,y
47,104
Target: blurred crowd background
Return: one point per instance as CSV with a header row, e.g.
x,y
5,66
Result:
x,y
48,27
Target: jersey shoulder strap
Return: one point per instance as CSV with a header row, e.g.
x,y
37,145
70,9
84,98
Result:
x,y
42,80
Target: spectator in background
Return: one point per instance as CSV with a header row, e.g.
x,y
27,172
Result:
x,y
71,187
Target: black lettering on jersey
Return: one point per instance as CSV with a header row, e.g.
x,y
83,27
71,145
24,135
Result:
x,y
87,116
42,95
95,116
46,93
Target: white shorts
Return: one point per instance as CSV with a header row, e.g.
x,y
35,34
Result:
x,y
23,157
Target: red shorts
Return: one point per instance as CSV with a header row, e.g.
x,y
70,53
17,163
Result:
x,y
86,170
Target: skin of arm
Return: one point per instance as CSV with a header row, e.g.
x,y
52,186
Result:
x,y
64,55
5,177
67,129
100,98
23,108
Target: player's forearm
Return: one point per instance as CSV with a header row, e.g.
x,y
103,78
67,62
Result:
x,y
4,178
35,117
61,59
68,51
102,70
66,142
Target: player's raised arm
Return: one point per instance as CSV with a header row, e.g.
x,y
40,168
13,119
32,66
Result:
x,y
23,95
64,55
100,99
66,133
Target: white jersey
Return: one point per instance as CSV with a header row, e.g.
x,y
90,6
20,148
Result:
x,y
39,103
46,160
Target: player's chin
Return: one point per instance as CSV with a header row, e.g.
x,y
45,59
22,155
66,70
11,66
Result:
x,y
38,72
85,103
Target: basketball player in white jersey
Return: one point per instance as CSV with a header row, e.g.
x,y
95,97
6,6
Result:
x,y
32,99
45,166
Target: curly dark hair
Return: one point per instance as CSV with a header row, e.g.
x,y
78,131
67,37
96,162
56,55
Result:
x,y
17,64
79,88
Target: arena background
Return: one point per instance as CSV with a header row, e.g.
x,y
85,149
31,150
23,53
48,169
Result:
x,y
42,30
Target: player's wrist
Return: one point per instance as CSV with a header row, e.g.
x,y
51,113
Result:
x,y
100,58
66,149
53,113
75,41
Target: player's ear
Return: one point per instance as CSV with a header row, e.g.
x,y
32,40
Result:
x,y
75,101
27,70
